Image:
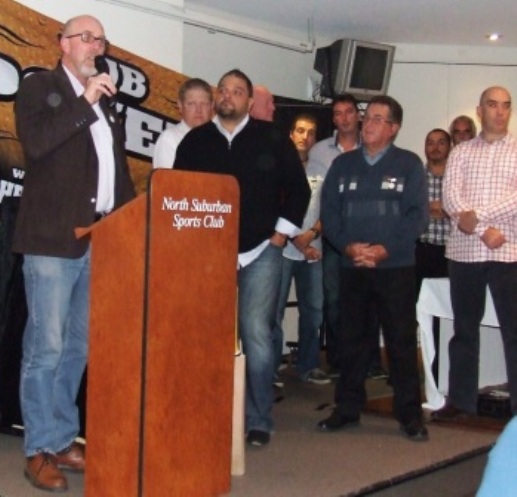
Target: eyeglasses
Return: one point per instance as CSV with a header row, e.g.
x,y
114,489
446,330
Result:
x,y
88,37
377,120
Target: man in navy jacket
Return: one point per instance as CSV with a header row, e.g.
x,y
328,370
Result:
x,y
374,207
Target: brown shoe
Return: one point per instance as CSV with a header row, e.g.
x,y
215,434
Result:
x,y
72,458
43,473
448,413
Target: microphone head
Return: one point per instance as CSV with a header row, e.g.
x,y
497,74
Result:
x,y
101,65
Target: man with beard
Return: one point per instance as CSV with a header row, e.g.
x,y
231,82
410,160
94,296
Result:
x,y
430,247
274,195
76,173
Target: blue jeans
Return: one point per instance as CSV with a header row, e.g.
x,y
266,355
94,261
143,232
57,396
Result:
x,y
308,279
259,285
55,345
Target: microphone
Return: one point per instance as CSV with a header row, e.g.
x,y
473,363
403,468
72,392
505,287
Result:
x,y
102,66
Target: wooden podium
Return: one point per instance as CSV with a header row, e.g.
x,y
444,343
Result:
x,y
162,340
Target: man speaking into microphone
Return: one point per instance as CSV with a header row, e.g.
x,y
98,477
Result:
x,y
76,173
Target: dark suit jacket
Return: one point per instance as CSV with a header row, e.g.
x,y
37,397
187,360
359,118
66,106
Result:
x,y
61,166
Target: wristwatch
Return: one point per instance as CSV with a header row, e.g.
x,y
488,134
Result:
x,y
316,233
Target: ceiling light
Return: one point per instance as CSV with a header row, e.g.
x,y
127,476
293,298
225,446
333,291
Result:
x,y
494,36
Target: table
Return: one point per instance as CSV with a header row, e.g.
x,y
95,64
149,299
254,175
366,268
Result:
x,y
434,300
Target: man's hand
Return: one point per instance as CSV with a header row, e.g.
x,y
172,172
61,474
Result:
x,y
278,239
366,255
436,210
98,85
312,254
467,222
353,250
493,238
303,240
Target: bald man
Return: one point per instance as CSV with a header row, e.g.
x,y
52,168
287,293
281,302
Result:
x,y
479,194
263,106
75,173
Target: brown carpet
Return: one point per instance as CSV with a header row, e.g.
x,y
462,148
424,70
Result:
x,y
302,462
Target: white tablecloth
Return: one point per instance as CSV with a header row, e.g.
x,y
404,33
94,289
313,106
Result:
x,y
434,300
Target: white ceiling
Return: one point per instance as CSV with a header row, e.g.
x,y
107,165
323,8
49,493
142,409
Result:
x,y
443,22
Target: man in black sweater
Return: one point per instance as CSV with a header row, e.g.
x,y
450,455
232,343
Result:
x,y
274,195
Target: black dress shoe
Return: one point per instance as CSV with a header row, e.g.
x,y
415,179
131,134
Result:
x,y
336,421
448,413
415,431
257,438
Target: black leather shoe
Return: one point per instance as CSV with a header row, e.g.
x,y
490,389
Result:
x,y
415,431
448,413
257,438
337,421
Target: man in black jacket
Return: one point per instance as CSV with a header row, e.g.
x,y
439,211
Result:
x,y
274,195
76,172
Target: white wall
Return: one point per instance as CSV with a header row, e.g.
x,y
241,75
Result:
x,y
150,36
433,83
209,55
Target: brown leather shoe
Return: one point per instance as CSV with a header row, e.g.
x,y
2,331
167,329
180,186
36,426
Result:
x,y
43,473
72,458
448,413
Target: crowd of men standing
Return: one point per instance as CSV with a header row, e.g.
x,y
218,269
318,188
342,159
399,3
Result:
x,y
375,226
347,218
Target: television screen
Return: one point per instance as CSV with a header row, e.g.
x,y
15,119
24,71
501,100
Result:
x,y
368,68
353,66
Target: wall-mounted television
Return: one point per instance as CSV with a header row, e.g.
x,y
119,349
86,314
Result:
x,y
362,68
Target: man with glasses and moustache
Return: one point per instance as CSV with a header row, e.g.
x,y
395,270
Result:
x,y
374,206
76,173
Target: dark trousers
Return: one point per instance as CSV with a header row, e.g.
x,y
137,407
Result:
x,y
430,262
393,292
468,293
331,264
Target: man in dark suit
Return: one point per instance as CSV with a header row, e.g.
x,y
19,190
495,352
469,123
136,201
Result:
x,y
76,173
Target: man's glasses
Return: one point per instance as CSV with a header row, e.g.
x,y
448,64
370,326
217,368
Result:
x,y
377,120
88,37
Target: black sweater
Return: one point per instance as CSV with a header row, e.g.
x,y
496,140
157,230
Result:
x,y
267,167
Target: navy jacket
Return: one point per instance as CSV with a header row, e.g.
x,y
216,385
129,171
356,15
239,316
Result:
x,y
385,204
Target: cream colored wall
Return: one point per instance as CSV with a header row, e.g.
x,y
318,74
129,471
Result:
x,y
433,83
153,37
